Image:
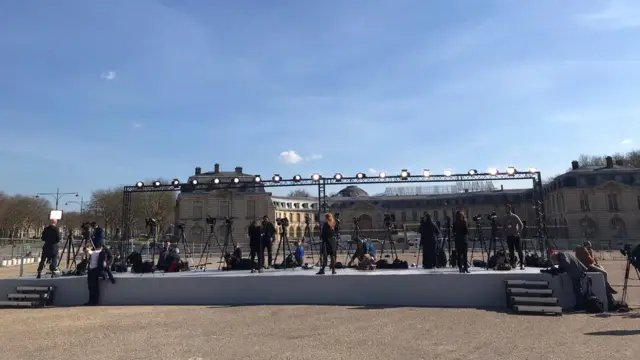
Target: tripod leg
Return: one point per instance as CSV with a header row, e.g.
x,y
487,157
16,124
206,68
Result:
x,y
419,252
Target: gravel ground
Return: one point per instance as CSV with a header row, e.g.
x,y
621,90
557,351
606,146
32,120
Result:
x,y
270,332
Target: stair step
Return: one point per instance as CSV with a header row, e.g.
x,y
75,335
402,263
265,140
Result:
x,y
527,309
27,296
529,292
527,284
34,289
22,304
525,300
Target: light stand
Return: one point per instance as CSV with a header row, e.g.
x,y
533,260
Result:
x,y
228,239
308,236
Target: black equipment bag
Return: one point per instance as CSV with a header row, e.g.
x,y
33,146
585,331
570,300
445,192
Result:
x,y
442,259
592,305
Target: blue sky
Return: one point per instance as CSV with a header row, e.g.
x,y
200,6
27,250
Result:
x,y
99,93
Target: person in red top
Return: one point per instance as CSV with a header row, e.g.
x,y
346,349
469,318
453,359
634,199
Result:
x,y
584,253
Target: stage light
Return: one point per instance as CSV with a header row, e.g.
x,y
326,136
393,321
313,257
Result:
x,y
257,179
194,182
315,177
448,173
297,178
139,184
216,181
511,171
235,180
276,178
533,170
404,174
338,177
360,176
175,182
156,183
426,173
473,172
383,175
493,172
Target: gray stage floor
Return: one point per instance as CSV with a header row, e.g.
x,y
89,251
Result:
x,y
311,272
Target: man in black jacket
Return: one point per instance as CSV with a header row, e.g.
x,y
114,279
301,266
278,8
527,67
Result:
x,y
428,240
268,231
98,235
51,238
255,233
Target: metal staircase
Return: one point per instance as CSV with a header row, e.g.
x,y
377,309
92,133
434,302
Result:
x,y
531,297
29,297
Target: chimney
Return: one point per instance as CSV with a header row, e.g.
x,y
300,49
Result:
x,y
620,162
216,168
609,162
198,171
501,187
239,169
575,165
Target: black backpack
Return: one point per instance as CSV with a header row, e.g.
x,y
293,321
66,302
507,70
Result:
x,y
592,305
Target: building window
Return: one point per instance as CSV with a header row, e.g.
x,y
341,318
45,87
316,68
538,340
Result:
x,y
584,202
414,215
197,210
612,199
298,217
435,215
251,209
224,209
403,216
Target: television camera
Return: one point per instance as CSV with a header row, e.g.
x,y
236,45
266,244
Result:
x,y
150,222
492,216
307,219
282,222
389,221
180,227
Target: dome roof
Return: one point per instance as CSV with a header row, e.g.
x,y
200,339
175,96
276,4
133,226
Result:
x,y
352,191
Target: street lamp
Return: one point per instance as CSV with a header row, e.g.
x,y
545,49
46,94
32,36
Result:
x,y
57,196
81,203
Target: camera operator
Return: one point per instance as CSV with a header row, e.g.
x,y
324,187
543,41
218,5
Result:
x,y
512,228
460,232
328,247
98,235
86,231
568,263
254,233
51,238
268,231
428,240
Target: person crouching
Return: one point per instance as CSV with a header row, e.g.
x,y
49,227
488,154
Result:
x,y
97,264
299,253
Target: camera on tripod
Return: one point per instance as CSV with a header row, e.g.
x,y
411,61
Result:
x,y
85,225
180,227
492,216
228,221
210,220
477,218
282,222
307,219
626,250
389,220
150,222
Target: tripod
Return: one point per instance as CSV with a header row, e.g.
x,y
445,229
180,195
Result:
x,y
492,241
478,237
152,227
356,236
228,239
544,243
284,242
182,240
207,245
308,236
70,248
633,259
388,228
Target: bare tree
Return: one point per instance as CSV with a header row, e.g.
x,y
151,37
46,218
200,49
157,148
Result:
x,y
299,193
23,215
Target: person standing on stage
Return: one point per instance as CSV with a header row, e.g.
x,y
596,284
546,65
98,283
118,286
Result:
x,y
268,231
428,240
255,233
512,228
98,235
97,265
51,238
328,247
460,232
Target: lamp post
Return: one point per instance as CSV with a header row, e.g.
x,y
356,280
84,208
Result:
x,y
57,196
81,203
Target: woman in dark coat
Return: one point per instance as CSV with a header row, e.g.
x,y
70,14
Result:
x,y
328,247
428,240
255,233
460,232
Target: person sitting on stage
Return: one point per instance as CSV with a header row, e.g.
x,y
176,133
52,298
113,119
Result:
x,y
584,253
568,263
428,240
365,250
162,259
255,233
328,246
172,259
299,253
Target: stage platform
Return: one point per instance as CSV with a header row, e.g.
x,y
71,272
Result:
x,y
411,287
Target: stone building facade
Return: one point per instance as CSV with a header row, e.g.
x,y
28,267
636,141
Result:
x,y
597,203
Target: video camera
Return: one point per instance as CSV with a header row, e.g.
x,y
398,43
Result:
x,y
85,225
211,220
492,216
282,222
307,219
477,218
180,227
150,222
389,220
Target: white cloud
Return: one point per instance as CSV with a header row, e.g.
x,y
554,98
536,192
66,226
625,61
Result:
x,y
109,75
313,157
618,14
373,171
626,141
290,157
137,125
